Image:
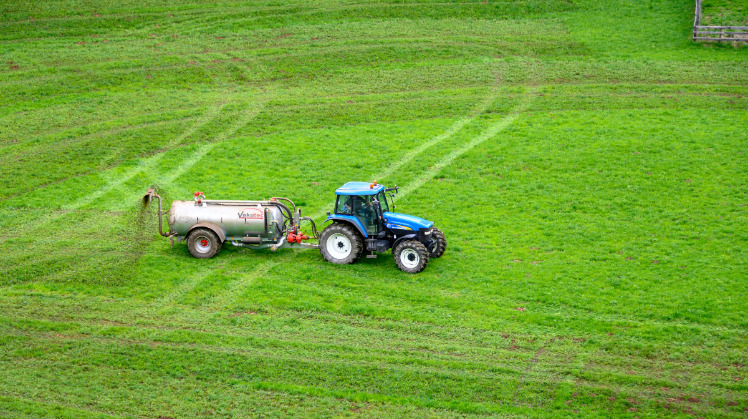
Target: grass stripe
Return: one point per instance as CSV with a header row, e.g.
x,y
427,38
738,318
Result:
x,y
489,133
224,300
38,408
229,296
409,156
185,287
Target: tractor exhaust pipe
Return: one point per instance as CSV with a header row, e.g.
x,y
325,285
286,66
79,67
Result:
x,y
147,198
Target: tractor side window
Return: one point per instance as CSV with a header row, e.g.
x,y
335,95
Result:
x,y
344,205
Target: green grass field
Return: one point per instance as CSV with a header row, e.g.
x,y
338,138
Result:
x,y
724,12
585,159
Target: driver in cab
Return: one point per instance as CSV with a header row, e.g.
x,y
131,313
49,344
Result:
x,y
362,205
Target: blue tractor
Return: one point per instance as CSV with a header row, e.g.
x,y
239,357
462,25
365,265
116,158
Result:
x,y
363,222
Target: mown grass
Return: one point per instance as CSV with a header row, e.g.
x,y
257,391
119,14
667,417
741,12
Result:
x,y
585,159
725,12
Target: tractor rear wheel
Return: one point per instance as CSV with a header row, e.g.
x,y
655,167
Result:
x,y
203,243
340,244
441,243
411,256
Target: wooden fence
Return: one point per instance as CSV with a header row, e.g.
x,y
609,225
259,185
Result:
x,y
717,33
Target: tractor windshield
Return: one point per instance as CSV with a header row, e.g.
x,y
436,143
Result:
x,y
383,201
359,206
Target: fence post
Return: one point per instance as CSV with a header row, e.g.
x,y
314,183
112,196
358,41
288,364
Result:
x,y
697,19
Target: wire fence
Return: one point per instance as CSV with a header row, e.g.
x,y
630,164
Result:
x,y
717,33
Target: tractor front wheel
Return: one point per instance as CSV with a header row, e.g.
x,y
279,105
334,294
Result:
x,y
441,243
340,244
411,256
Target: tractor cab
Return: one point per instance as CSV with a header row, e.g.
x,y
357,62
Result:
x,y
363,204
363,221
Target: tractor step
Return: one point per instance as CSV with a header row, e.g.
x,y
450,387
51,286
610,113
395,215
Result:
x,y
371,255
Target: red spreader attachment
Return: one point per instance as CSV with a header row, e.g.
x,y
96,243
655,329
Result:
x,y
295,236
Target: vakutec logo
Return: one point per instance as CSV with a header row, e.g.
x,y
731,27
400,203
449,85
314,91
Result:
x,y
250,214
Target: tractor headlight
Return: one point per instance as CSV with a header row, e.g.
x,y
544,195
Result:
x,y
427,233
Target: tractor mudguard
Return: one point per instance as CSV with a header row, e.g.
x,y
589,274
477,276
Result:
x,y
406,237
350,220
214,228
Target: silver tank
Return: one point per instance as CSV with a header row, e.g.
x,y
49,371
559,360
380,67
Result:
x,y
236,219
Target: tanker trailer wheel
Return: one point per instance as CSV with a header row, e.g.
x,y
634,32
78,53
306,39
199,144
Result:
x,y
203,243
441,243
341,244
411,256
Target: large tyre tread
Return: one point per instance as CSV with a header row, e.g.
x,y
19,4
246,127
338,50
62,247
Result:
x,y
198,233
423,253
441,240
357,243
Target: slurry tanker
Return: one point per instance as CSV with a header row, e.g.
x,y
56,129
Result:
x,y
361,222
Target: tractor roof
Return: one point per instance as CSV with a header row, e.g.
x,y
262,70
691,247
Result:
x,y
359,188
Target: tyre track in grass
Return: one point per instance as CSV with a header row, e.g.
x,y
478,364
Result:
x,y
149,164
248,113
60,410
281,349
170,13
210,114
91,129
479,371
143,321
487,134
228,296
279,385
454,128
491,132
474,370
286,350
155,334
22,261
193,280
232,292
36,153
80,316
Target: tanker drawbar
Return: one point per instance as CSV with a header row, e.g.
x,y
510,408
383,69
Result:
x,y
207,224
